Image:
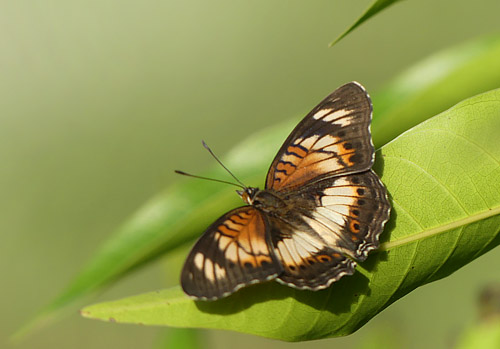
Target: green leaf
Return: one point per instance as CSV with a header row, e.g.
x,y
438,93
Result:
x,y
179,214
434,85
375,7
443,177
184,338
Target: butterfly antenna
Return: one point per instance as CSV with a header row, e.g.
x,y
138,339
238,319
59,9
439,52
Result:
x,y
208,179
220,162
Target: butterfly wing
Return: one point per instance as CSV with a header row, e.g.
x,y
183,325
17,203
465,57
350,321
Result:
x,y
333,139
233,252
308,261
337,220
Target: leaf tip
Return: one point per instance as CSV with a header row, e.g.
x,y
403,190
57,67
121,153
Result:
x,y
340,37
85,313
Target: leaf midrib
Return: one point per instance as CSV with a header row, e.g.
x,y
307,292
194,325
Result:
x,y
441,229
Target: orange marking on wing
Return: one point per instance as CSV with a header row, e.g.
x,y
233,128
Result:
x,y
297,150
345,151
354,225
258,241
252,236
299,177
263,259
246,214
285,167
247,261
244,238
239,220
226,231
313,164
278,179
313,158
346,158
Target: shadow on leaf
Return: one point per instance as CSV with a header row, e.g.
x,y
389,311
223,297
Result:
x,y
336,299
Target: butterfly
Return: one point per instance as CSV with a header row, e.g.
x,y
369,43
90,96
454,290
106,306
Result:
x,y
322,209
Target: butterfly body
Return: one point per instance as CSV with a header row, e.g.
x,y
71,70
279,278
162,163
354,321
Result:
x,y
322,209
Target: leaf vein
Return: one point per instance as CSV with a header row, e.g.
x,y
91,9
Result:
x,y
484,150
448,256
434,178
481,251
440,229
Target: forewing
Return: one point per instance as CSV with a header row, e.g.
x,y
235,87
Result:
x,y
340,221
333,139
233,252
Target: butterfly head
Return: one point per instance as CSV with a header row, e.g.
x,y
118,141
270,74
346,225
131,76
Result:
x,y
248,194
263,199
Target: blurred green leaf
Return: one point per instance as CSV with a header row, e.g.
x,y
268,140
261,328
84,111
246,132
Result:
x,y
375,7
443,177
485,336
184,210
182,338
434,85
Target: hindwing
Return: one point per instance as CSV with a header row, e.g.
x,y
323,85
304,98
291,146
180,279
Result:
x,y
308,260
234,251
338,221
333,139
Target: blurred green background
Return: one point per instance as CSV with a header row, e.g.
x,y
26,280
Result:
x,y
101,100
